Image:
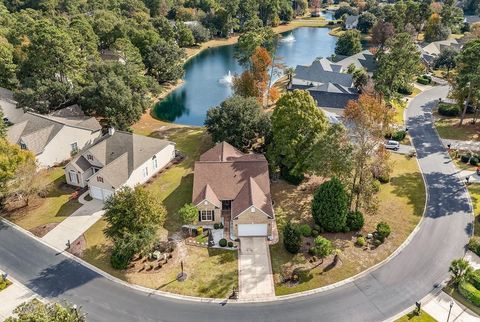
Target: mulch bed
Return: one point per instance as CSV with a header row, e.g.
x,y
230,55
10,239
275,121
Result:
x,y
42,230
78,246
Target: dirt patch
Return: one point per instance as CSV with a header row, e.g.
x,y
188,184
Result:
x,y
78,246
42,230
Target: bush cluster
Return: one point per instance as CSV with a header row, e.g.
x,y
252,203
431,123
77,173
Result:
x,y
424,80
405,90
323,247
399,135
230,244
222,242
474,245
361,241
383,231
217,226
305,230
355,220
446,109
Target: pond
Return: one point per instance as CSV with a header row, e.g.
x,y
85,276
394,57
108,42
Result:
x,y
208,75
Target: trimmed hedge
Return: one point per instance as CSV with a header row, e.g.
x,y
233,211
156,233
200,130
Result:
x,y
465,158
424,80
383,231
448,109
469,292
474,245
475,279
474,160
230,244
405,90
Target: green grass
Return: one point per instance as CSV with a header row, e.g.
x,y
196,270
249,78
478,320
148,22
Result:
x,y
401,204
474,190
53,209
448,128
399,111
412,317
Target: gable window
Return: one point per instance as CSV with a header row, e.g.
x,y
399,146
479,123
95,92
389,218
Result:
x,y
145,172
100,179
206,215
90,157
154,162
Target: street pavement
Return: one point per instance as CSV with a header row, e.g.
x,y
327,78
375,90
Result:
x,y
415,271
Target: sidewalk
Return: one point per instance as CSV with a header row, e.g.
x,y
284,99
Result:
x,y
13,296
439,307
76,224
462,145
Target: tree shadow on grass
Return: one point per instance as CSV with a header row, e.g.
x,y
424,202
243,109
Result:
x,y
175,200
224,256
410,186
221,286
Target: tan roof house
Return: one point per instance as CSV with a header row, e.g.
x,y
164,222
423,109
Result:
x,y
118,159
56,137
233,188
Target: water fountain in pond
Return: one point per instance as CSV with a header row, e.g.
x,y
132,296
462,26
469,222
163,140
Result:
x,y
289,38
227,79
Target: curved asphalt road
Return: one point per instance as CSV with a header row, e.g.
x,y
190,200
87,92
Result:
x,y
408,277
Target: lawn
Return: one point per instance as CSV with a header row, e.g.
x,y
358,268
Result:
x,y
211,273
448,128
401,204
412,317
474,190
400,107
52,209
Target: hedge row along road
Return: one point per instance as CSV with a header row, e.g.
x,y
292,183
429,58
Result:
x,y
409,276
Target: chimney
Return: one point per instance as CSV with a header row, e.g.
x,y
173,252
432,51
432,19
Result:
x,y
111,131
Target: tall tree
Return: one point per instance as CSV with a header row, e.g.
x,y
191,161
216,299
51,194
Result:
x,y
398,64
297,124
8,78
468,74
133,217
381,32
240,122
446,59
348,43
251,40
435,29
165,61
371,120
330,206
366,21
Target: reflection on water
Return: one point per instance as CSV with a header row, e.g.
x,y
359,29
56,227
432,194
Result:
x,y
208,75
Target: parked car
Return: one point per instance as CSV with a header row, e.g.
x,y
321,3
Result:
x,y
392,145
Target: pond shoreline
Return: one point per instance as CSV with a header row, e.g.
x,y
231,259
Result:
x,y
317,22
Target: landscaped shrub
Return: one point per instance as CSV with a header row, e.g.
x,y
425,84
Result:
x,y
230,244
383,231
292,238
474,161
405,90
399,135
465,158
315,233
355,220
330,205
120,258
424,80
305,230
199,230
469,292
376,242
376,185
474,245
446,109
361,241
323,247
4,283
474,278
216,226
222,242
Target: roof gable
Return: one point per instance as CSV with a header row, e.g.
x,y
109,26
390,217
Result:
x,y
252,195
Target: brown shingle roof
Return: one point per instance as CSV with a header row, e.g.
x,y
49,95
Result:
x,y
226,171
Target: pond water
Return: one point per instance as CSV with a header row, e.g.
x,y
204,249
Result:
x,y
207,80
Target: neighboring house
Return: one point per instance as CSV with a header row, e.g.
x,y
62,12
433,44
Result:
x,y
364,59
430,51
9,106
327,82
233,188
351,22
56,137
118,159
113,55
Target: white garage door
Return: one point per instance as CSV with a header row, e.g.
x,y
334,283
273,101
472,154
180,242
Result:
x,y
252,230
99,193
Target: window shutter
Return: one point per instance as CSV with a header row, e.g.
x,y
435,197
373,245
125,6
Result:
x,y
213,215
199,216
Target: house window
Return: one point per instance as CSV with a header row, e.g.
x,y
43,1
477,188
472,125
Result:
x,y
206,215
100,179
89,157
73,177
145,172
74,147
154,162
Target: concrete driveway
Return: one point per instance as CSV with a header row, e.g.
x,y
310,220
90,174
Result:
x,y
255,278
76,224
